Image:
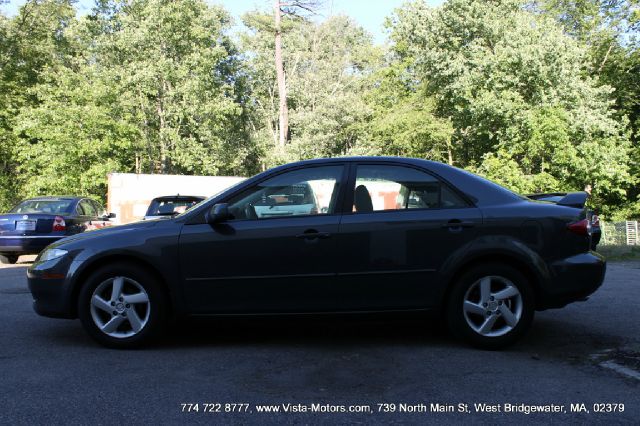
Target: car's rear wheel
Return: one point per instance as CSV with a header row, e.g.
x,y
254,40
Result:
x,y
491,306
122,306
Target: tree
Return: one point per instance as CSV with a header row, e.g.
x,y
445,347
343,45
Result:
x,y
403,120
291,8
30,42
327,68
155,88
609,30
515,88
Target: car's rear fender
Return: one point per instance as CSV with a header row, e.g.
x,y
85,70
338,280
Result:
x,y
494,249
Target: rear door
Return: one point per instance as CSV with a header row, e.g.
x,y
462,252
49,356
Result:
x,y
404,224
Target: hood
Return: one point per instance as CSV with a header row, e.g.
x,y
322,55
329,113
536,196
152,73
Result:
x,y
108,232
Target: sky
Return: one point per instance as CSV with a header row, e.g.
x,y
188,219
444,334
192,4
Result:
x,y
370,14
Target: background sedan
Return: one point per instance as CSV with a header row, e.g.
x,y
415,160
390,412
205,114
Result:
x,y
37,222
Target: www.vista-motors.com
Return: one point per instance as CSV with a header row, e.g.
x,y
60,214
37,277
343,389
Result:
x,y
409,408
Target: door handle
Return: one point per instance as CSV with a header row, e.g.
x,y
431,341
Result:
x,y
313,234
457,224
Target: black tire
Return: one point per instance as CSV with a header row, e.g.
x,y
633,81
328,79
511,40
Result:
x,y
468,287
11,258
157,306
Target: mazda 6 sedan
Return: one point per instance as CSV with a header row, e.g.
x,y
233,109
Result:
x,y
385,234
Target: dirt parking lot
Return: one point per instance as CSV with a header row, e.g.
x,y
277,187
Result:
x,y
586,353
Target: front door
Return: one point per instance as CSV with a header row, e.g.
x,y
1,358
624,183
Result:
x,y
278,254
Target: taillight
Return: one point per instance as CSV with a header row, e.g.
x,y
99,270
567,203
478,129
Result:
x,y
58,224
582,227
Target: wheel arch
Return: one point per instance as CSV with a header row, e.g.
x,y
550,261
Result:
x,y
95,264
534,277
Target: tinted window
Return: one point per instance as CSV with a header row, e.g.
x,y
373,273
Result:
x,y
380,188
43,206
307,191
162,207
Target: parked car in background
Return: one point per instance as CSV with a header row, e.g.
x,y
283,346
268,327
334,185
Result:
x,y
37,222
557,197
391,234
170,205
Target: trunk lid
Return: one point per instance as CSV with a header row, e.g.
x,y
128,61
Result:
x,y
26,224
575,231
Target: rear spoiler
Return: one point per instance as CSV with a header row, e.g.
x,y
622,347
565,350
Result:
x,y
569,199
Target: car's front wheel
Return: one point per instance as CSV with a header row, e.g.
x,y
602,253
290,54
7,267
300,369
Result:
x,y
122,306
491,306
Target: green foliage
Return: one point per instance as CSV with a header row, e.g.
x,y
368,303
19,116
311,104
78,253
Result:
x,y
326,65
29,43
515,88
609,30
148,85
540,95
402,121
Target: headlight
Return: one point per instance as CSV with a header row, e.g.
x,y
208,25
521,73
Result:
x,y
51,254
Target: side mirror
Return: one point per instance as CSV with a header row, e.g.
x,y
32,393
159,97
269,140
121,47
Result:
x,y
218,213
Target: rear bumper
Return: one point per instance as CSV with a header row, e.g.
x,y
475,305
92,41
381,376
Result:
x,y
573,279
32,244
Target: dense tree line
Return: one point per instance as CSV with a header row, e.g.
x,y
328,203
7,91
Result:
x,y
538,95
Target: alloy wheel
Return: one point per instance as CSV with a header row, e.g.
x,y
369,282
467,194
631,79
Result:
x,y
492,306
120,307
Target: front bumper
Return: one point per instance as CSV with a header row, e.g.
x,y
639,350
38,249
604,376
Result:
x,y
573,279
31,244
51,288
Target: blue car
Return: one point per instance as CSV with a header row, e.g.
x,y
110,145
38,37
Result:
x,y
37,222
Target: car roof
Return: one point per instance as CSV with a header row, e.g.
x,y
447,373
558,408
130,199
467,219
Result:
x,y
481,191
180,197
55,198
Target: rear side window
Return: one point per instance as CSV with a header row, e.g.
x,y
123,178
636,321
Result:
x,y
382,188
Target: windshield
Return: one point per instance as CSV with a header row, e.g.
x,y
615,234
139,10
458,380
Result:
x,y
43,206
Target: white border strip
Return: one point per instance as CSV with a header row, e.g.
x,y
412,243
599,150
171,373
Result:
x,y
621,369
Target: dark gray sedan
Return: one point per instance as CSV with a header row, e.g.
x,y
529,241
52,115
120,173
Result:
x,y
385,234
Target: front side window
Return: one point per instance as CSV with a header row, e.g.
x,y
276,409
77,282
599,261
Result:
x,y
308,191
380,188
87,208
98,208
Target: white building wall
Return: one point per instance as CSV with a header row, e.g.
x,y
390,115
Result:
x,y
129,194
